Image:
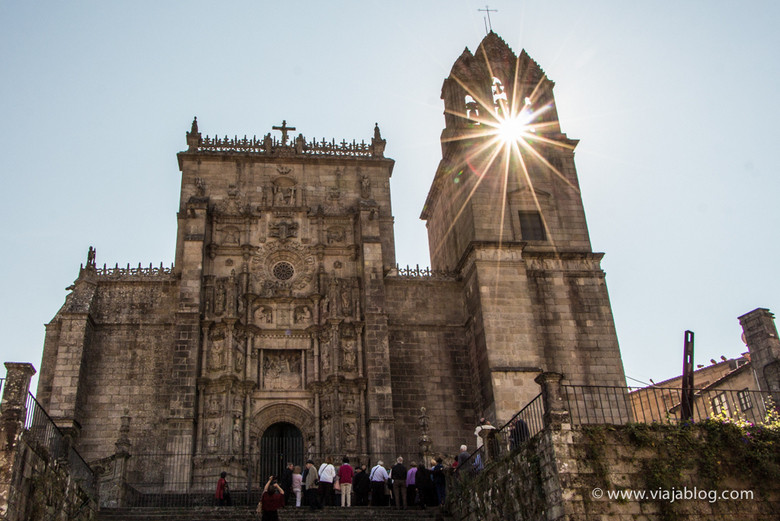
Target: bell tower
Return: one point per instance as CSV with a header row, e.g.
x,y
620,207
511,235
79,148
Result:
x,y
505,212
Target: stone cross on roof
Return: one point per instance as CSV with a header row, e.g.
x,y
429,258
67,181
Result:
x,y
284,128
488,10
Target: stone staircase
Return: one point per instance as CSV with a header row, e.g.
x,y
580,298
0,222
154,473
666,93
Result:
x,y
285,514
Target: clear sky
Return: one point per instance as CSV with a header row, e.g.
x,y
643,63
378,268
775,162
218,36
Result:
x,y
676,105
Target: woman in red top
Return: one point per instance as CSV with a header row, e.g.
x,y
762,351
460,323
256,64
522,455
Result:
x,y
223,493
271,500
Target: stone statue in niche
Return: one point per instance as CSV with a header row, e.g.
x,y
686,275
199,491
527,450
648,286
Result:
x,y
327,435
325,352
217,353
346,300
232,294
365,187
213,404
237,404
238,361
302,314
219,302
350,435
208,300
348,353
310,449
200,186
212,436
333,297
237,436
282,370
279,198
263,315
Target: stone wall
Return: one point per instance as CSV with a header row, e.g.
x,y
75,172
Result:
x,y
428,357
569,474
131,340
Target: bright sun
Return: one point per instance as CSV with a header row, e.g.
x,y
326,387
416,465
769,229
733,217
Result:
x,y
513,129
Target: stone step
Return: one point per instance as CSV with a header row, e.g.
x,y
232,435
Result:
x,y
247,514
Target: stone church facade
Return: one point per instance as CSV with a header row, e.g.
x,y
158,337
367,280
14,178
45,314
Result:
x,y
284,312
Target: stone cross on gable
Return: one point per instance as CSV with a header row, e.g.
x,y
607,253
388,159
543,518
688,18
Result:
x,y
284,128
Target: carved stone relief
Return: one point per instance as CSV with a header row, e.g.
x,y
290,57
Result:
x,y
302,315
283,230
365,187
340,299
238,361
325,352
327,435
281,369
348,354
335,234
281,267
235,204
212,436
237,435
230,235
263,315
217,355
212,407
350,435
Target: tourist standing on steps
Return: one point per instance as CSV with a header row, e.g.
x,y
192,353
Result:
x,y
327,474
411,485
463,457
439,481
425,491
297,485
378,477
271,500
398,475
223,492
361,486
345,479
311,482
286,482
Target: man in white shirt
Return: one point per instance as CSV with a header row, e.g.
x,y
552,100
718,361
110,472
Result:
x,y
327,473
378,477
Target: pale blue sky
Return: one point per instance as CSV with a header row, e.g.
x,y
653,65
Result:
x,y
675,103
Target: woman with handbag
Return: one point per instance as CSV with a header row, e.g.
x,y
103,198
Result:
x,y
271,501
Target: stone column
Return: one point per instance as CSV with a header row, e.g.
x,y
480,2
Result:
x,y
760,335
13,412
555,413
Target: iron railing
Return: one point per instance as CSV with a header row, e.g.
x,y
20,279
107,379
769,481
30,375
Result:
x,y
42,434
619,405
522,427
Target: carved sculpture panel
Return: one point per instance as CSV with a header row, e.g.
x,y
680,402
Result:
x,y
281,369
302,315
217,355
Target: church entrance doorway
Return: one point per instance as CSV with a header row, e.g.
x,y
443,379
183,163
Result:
x,y
281,442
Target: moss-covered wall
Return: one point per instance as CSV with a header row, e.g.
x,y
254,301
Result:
x,y
44,490
592,472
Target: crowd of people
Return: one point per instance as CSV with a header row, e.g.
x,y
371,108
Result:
x,y
416,485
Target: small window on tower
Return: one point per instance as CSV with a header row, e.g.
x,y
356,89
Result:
x,y
531,227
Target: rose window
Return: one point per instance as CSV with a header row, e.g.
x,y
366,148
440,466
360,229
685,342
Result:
x,y
283,270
